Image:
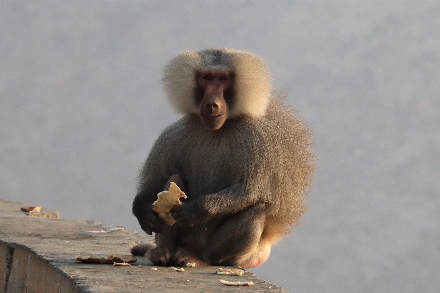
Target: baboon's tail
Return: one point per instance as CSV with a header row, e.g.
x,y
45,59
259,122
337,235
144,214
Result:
x,y
142,249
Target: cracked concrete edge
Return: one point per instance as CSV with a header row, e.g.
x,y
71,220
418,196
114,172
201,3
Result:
x,y
22,270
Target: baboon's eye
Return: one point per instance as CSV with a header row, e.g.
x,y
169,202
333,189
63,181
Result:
x,y
223,77
207,77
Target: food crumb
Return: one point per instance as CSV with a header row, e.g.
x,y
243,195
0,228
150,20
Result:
x,y
178,269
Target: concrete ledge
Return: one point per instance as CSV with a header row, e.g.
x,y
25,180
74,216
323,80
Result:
x,y
25,271
39,255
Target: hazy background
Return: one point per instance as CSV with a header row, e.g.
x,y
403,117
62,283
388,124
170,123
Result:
x,y
81,104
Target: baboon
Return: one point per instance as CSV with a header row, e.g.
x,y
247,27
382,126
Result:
x,y
242,158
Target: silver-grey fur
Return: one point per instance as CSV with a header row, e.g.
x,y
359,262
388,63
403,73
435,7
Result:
x,y
253,83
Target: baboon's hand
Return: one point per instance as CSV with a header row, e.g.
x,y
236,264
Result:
x,y
150,221
189,214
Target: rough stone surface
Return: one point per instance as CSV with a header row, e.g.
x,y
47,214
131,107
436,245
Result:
x,y
39,255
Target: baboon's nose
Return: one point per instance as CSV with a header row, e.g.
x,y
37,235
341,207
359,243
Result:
x,y
212,106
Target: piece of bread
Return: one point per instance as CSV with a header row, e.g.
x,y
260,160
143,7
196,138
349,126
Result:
x,y
107,259
237,283
166,200
230,271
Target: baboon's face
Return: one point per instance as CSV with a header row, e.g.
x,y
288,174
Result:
x,y
214,95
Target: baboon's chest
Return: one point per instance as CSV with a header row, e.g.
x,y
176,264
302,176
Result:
x,y
210,166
